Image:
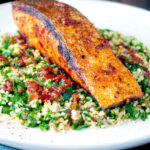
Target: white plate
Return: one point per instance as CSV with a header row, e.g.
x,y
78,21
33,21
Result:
x,y
122,18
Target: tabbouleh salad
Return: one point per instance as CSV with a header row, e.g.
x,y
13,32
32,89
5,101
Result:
x,y
39,94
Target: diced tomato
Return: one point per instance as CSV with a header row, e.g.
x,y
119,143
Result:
x,y
45,97
51,94
136,59
48,76
32,86
132,52
23,48
22,59
19,39
4,59
33,97
58,78
33,61
39,91
67,82
8,86
46,72
124,45
44,94
57,91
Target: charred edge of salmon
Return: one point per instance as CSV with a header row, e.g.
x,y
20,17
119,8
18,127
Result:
x,y
17,6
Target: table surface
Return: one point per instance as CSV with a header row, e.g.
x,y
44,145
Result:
x,y
139,3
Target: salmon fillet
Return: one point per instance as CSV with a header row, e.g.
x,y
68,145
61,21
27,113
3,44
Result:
x,y
71,41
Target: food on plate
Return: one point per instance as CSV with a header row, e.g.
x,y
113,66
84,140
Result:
x,y
64,35
28,80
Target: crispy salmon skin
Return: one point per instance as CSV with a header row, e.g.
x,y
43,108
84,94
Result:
x,y
70,40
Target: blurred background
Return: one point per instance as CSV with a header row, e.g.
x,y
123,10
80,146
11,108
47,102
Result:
x,y
139,3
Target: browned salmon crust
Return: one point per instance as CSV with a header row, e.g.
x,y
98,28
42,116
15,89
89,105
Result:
x,y
70,40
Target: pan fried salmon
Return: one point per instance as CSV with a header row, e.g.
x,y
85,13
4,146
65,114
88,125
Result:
x,y
70,40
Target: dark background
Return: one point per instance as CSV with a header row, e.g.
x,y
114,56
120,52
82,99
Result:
x,y
139,3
